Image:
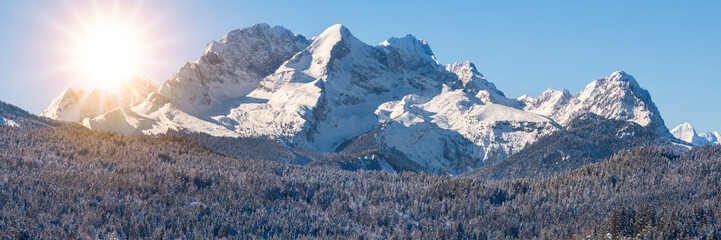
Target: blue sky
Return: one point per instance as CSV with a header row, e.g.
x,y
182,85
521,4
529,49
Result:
x,y
673,48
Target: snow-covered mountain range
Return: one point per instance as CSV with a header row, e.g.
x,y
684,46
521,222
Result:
x,y
688,134
321,93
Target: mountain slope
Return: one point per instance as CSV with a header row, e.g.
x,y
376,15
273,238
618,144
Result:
x,y
14,116
455,131
229,69
587,139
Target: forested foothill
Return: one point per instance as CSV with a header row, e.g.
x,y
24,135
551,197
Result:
x,y
67,182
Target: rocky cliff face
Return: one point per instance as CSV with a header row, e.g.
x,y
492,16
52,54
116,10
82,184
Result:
x,y
230,68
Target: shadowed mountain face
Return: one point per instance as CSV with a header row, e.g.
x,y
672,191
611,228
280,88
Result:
x,y
586,139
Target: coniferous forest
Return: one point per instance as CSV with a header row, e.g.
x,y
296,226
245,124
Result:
x,y
67,183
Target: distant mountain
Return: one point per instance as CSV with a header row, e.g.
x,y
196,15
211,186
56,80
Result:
x,y
319,94
688,134
75,105
618,96
712,137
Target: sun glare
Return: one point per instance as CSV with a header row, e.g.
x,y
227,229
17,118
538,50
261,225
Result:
x,y
107,44
107,56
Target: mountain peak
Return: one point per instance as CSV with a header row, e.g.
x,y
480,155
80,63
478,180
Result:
x,y
257,27
619,73
687,133
336,42
332,36
419,46
549,102
409,52
261,25
617,96
711,137
466,66
242,38
260,28
557,96
621,77
686,125
682,129
551,91
337,31
467,73
231,67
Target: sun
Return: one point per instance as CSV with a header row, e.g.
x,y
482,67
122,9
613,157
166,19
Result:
x,y
106,44
108,55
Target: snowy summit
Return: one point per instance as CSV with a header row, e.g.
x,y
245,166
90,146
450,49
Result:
x,y
687,133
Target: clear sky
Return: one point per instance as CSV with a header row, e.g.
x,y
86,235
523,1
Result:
x,y
673,48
